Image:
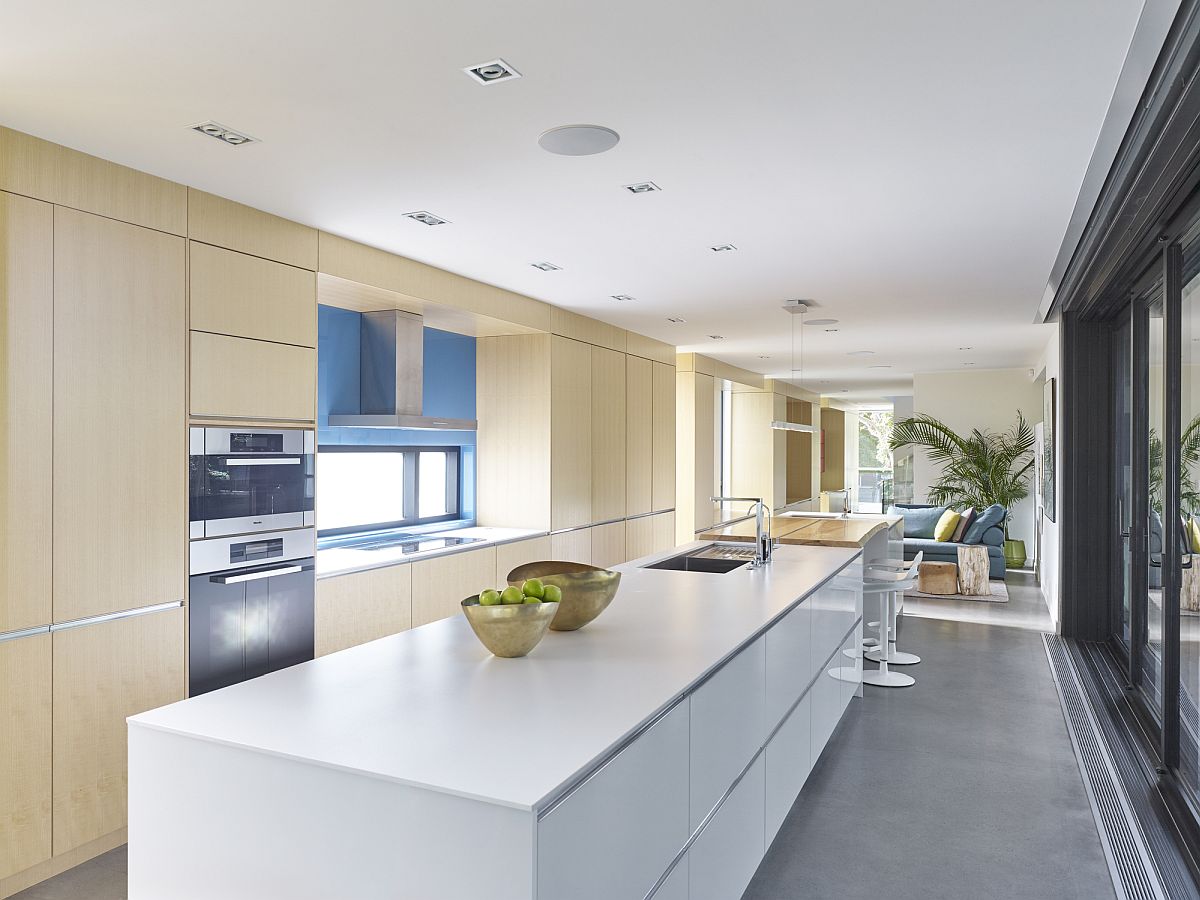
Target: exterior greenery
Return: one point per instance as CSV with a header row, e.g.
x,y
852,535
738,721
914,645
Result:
x,y
1189,461
978,470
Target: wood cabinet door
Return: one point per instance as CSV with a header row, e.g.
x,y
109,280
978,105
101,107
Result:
x,y
120,454
26,417
362,606
439,585
608,544
639,435
570,433
572,546
25,753
246,379
608,435
663,480
103,673
518,553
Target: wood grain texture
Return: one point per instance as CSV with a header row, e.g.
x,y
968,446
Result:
x,y
512,397
25,753
664,531
753,446
664,437
26,410
608,545
639,537
248,379
572,546
439,585
608,434
582,328
56,174
362,606
648,348
571,433
104,673
368,265
56,865
973,571
518,553
697,450
215,220
639,435
120,455
245,296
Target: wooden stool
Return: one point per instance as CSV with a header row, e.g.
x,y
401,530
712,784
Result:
x,y
973,570
938,578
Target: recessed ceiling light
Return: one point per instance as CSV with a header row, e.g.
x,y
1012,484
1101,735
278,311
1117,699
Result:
x,y
878,367
221,133
821,322
723,248
965,348
547,267
764,357
716,337
968,364
677,320
831,330
491,72
861,353
578,140
624,298
643,187
426,218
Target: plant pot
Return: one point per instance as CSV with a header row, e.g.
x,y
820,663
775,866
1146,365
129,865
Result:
x,y
1014,554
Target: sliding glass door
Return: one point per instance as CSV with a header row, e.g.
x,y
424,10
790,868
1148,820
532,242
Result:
x,y
1189,508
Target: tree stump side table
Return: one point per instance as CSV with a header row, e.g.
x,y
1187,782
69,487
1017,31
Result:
x,y
937,578
973,570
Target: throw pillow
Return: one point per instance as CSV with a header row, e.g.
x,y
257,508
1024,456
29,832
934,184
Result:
x,y
1194,534
989,518
919,522
946,526
963,524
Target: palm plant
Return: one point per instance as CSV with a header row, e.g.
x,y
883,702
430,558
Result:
x,y
1189,459
983,468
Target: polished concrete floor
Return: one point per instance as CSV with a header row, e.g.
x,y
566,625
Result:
x,y
1026,607
964,785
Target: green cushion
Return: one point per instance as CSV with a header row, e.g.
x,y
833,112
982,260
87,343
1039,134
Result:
x,y
918,523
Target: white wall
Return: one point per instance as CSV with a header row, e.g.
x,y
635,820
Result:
x,y
1049,367
987,399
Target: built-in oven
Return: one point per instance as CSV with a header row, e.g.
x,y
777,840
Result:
x,y
250,606
245,480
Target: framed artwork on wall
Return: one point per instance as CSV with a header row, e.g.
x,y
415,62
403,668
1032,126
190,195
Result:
x,y
1047,467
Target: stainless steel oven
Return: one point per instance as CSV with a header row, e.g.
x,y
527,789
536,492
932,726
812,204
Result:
x,y
245,480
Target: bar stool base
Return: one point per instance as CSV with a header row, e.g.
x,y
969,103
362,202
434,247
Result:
x,y
888,679
895,657
846,673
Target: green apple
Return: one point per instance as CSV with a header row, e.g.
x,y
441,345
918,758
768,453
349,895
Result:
x,y
512,595
533,588
553,594
489,598
533,600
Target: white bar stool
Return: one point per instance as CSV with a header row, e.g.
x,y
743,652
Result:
x,y
895,607
884,582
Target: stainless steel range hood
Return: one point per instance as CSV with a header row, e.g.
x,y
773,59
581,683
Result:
x,y
391,367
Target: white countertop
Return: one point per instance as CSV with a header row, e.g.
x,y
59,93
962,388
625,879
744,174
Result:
x,y
344,560
432,708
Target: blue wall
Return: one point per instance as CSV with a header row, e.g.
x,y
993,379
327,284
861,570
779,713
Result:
x,y
448,389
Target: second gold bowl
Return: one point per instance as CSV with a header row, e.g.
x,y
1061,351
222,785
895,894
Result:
x,y
586,590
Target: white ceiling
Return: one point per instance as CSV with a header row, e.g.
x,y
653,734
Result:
x,y
909,165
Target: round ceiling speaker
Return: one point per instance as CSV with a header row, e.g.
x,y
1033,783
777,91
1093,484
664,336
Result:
x,y
578,140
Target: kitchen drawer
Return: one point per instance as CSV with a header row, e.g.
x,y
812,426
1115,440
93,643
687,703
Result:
x,y
25,775
518,553
827,706
244,296
789,664
676,885
726,854
614,836
572,546
832,609
439,585
726,727
246,379
788,763
608,544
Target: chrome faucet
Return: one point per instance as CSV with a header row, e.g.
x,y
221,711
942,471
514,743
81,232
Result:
x,y
846,503
762,527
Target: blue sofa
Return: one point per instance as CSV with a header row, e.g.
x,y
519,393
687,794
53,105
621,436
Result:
x,y
945,551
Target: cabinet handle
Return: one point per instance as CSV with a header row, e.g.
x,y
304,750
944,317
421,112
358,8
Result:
x,y
289,461
254,576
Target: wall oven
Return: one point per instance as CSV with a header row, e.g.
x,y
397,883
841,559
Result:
x,y
244,480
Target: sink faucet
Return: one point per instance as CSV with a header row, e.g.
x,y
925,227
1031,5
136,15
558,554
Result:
x,y
762,527
846,503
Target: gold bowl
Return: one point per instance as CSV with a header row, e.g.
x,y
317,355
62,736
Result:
x,y
508,630
586,590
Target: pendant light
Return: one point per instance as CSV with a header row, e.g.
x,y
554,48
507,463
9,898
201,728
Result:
x,y
796,309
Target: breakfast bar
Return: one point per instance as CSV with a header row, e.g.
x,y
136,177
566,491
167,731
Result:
x,y
653,753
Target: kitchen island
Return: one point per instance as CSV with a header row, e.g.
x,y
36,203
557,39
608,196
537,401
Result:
x,y
879,536
654,752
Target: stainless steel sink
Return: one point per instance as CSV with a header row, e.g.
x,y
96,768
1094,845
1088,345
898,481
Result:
x,y
714,559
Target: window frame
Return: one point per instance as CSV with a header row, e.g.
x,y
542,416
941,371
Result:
x,y
412,480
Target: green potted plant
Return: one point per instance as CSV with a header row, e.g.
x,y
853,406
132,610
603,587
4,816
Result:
x,y
983,468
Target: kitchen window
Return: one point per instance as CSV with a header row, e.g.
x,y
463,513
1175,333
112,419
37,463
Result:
x,y
373,488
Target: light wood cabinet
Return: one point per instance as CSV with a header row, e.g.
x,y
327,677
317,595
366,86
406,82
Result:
x,y
120,454
244,296
103,673
608,434
570,433
359,607
572,546
215,220
439,585
25,753
663,476
647,535
518,553
639,435
26,419
664,531
608,545
244,379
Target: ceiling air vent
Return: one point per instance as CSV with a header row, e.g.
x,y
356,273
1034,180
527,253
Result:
x,y
677,320
547,267
642,187
623,298
221,133
723,248
492,72
426,218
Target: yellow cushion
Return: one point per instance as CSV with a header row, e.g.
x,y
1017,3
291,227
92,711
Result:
x,y
1194,534
946,525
